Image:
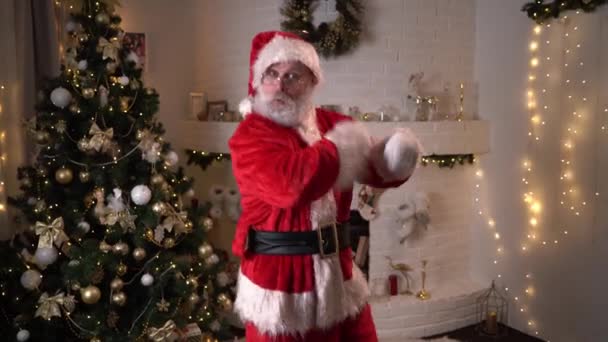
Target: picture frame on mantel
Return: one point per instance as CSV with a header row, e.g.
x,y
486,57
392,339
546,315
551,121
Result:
x,y
216,109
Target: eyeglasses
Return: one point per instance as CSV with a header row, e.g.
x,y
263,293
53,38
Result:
x,y
288,79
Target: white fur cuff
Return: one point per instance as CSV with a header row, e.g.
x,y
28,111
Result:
x,y
353,143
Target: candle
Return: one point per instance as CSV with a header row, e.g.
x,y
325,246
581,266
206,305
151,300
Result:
x,y
491,323
393,285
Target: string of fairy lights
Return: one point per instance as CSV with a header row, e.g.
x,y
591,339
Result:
x,y
3,156
571,196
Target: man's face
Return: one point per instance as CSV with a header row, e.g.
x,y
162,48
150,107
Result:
x,y
285,93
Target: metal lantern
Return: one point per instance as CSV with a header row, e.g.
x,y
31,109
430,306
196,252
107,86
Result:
x,y
492,313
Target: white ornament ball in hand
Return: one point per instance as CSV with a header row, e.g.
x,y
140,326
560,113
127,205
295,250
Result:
x,y
171,158
123,80
45,256
84,226
147,279
23,335
83,64
61,97
30,279
141,194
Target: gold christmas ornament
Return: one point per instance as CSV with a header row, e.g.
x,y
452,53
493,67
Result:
x,y
84,176
121,269
192,281
88,93
119,298
64,175
205,250
157,179
83,144
111,67
89,200
194,298
149,234
188,226
207,223
158,207
116,284
124,103
102,18
104,246
42,137
139,254
120,248
169,243
225,302
90,294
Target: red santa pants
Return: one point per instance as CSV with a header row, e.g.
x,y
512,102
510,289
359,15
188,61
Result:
x,y
357,329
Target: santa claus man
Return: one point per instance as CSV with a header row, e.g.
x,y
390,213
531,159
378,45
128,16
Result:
x,y
295,166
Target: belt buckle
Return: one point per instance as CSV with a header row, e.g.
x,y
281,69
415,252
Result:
x,y
322,241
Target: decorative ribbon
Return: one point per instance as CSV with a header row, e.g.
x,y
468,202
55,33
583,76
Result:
x,y
51,306
51,233
164,333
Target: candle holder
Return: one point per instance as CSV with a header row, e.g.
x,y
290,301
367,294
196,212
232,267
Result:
x,y
423,294
460,115
492,313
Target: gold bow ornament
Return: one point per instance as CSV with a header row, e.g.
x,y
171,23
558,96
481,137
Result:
x,y
109,48
168,332
51,233
51,306
100,140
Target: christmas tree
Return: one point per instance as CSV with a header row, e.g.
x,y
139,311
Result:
x,y
115,247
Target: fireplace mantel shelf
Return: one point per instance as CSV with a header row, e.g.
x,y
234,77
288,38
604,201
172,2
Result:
x,y
437,137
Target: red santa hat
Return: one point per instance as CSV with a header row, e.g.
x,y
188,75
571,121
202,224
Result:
x,y
268,48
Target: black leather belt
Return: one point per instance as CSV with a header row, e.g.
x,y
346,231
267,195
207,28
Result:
x,y
326,241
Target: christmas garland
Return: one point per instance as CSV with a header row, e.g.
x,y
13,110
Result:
x,y
330,39
541,12
205,159
448,160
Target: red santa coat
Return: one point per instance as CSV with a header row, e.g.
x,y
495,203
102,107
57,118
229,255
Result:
x,y
286,178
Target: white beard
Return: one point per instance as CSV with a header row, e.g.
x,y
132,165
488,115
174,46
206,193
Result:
x,y
291,113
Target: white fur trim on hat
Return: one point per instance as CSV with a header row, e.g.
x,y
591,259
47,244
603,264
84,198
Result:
x,y
284,49
246,106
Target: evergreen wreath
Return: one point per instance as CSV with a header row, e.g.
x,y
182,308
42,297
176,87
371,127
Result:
x,y
331,39
541,12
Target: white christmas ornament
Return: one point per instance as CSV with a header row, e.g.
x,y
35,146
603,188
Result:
x,y
132,57
70,26
84,226
30,279
215,326
123,80
23,335
45,256
83,64
115,201
171,158
147,279
141,195
222,279
103,96
189,193
61,97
